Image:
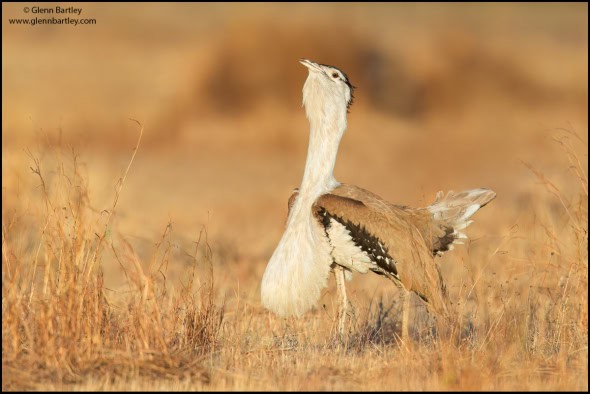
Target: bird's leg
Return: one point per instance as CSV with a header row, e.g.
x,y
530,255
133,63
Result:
x,y
339,275
405,314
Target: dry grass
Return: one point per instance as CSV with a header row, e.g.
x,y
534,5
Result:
x,y
523,327
59,323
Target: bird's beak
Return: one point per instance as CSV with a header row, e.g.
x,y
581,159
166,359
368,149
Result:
x,y
311,65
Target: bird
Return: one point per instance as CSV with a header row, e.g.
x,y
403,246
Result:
x,y
344,229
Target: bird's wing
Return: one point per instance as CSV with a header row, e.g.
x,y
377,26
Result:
x,y
436,235
369,219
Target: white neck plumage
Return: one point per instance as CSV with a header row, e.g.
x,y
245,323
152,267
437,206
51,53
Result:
x,y
299,267
318,177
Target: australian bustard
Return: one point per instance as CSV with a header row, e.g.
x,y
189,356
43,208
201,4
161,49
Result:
x,y
340,227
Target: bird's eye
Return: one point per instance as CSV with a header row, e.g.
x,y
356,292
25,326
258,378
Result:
x,y
334,75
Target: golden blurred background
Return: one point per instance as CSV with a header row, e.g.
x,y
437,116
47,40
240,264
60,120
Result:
x,y
449,96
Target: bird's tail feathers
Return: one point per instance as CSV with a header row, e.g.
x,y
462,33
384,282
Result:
x,y
453,211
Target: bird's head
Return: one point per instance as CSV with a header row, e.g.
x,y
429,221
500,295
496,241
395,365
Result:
x,y
327,90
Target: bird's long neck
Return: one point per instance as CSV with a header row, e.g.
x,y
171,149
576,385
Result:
x,y
324,138
299,267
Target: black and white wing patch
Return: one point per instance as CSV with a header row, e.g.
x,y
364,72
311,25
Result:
x,y
353,247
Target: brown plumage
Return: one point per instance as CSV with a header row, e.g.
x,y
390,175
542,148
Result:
x,y
410,236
